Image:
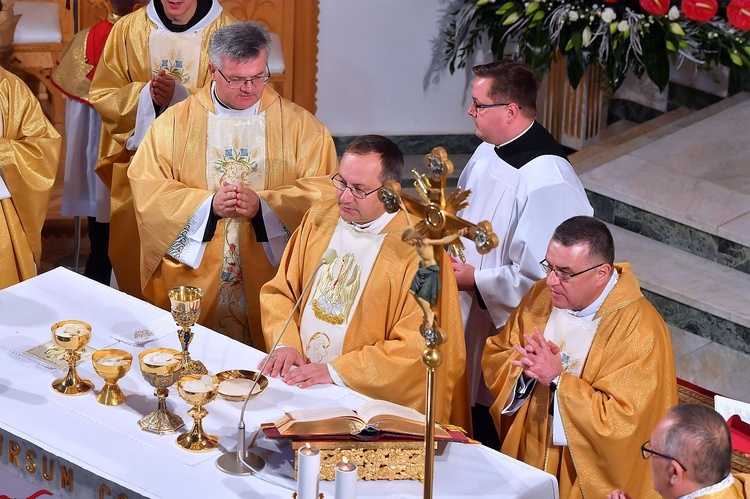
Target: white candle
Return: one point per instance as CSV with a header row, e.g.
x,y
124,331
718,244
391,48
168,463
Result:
x,y
308,472
346,479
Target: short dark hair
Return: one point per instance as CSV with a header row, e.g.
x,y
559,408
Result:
x,y
238,42
391,157
512,81
589,231
699,437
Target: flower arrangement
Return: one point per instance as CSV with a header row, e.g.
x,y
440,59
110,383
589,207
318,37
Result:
x,y
618,36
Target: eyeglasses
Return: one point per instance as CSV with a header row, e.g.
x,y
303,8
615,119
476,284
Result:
x,y
241,82
358,193
487,106
561,274
647,453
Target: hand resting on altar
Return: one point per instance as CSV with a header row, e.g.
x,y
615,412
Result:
x,y
304,375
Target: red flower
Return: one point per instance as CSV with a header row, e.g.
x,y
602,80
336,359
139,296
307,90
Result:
x,y
655,7
610,1
738,13
700,10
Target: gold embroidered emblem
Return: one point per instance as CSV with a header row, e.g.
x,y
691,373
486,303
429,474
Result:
x,y
570,364
317,345
334,295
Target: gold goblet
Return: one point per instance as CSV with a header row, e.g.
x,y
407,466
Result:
x,y
111,364
71,336
161,367
185,303
198,390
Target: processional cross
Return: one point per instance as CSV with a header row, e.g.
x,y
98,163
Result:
x,y
438,225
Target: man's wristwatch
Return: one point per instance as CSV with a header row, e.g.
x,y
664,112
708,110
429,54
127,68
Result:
x,y
553,384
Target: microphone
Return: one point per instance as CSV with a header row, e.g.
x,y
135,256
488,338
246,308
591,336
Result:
x,y
243,462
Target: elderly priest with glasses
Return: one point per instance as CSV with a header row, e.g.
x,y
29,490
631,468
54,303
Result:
x,y
220,182
359,326
584,368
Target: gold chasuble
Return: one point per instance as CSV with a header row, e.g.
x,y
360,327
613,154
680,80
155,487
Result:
x,y
733,487
125,68
179,165
381,353
626,385
29,154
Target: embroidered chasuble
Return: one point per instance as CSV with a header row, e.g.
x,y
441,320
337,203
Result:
x,y
117,93
186,154
626,383
381,347
732,487
29,153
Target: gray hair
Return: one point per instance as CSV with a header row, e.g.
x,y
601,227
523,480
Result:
x,y
238,42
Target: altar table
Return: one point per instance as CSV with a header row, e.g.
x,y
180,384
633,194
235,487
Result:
x,y
76,447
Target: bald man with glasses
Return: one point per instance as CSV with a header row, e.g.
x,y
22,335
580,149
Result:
x,y
584,368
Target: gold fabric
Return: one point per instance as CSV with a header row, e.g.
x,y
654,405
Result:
x,y
168,178
627,384
382,352
29,154
740,489
123,71
70,75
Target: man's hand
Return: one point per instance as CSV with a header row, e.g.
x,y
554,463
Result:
x,y
225,200
464,276
618,494
308,375
281,362
162,88
540,359
248,202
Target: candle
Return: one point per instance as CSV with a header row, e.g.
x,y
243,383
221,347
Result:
x,y
346,479
308,472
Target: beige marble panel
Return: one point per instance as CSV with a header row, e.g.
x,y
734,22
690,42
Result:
x,y
737,230
719,369
685,343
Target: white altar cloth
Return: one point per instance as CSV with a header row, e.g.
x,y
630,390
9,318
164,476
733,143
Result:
x,y
108,442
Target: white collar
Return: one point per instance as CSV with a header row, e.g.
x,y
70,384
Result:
x,y
207,19
711,489
517,136
590,311
224,110
376,226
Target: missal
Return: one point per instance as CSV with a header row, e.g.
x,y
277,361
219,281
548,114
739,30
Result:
x,y
375,419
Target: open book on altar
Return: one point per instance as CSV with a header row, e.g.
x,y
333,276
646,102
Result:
x,y
375,419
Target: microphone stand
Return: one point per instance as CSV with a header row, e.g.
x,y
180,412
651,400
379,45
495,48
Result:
x,y
244,462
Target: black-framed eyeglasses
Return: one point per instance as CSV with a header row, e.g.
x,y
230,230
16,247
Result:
x,y
340,184
241,82
561,274
487,106
647,453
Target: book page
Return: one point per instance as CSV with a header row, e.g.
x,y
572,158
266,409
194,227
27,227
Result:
x,y
321,413
373,408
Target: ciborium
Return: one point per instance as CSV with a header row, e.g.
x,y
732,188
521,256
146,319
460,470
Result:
x,y
198,391
161,367
71,335
185,303
111,364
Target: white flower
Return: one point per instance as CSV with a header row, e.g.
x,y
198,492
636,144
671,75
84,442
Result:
x,y
622,26
573,15
586,35
674,13
608,15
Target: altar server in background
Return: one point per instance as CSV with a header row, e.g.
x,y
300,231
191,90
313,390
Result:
x,y
359,325
153,58
220,182
84,193
29,154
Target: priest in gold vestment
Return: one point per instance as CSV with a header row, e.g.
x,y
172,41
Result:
x,y
29,153
153,58
583,370
220,182
359,326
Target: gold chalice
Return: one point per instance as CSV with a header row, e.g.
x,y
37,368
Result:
x,y
161,367
198,390
71,336
185,302
111,364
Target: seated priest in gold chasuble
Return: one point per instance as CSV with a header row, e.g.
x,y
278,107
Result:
x,y
220,182
359,325
153,59
29,153
583,369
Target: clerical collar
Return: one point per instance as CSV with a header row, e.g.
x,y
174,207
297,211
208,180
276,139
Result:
x,y
376,226
711,489
535,141
589,312
155,11
223,109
